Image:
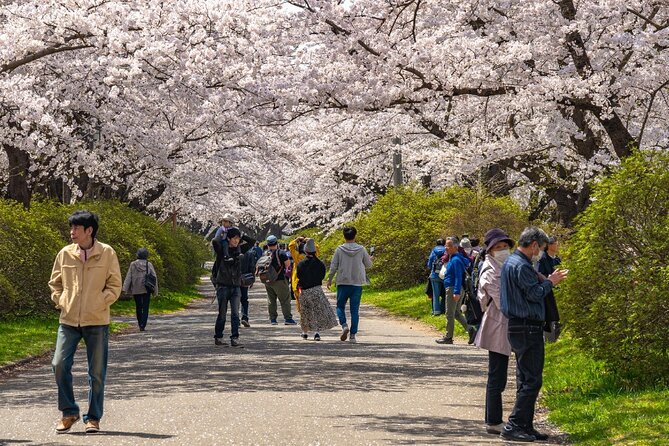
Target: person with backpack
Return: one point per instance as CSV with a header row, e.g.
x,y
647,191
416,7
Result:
x,y
349,263
434,264
456,269
135,284
315,311
492,335
271,270
228,281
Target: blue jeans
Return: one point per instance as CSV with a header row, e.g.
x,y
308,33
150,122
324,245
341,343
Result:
x,y
498,365
142,308
96,338
344,293
225,294
437,285
527,342
245,303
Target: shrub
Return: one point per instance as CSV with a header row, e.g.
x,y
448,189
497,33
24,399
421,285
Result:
x,y
616,298
31,239
404,224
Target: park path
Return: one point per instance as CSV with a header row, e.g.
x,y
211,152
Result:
x,y
171,385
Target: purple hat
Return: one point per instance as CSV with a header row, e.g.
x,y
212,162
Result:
x,y
495,236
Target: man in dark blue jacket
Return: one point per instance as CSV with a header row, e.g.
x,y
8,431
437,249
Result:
x,y
434,265
453,280
522,295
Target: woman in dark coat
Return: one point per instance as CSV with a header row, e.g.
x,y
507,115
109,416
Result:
x,y
134,284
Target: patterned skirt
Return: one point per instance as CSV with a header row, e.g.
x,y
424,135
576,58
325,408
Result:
x,y
316,314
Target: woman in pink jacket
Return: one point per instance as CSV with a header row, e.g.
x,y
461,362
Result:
x,y
492,335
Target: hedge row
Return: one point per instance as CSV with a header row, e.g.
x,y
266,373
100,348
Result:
x,y
404,224
30,240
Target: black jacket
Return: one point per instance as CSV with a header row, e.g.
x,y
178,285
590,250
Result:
x,y
230,273
310,273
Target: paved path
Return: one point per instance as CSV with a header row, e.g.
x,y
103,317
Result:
x,y
171,385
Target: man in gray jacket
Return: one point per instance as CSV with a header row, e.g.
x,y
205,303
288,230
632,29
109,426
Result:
x,y
349,263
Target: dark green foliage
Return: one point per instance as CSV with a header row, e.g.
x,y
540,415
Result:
x,y
616,299
405,223
30,240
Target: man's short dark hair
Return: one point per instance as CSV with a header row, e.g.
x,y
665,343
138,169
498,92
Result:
x,y
532,234
441,242
86,219
350,232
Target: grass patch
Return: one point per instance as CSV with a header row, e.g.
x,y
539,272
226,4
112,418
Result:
x,y
27,337
585,400
411,302
583,397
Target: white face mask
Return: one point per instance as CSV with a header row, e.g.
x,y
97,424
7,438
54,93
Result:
x,y
501,256
537,257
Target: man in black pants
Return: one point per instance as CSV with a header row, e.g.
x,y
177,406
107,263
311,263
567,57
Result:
x,y
522,295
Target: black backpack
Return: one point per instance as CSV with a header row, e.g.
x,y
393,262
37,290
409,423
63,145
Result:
x,y
150,280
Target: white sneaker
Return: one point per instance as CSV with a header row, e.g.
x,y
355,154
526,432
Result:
x,y
344,333
352,339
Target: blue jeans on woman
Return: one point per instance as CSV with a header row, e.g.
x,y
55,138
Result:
x,y
344,293
96,338
142,309
225,294
437,287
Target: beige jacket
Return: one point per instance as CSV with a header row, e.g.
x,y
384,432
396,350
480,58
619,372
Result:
x,y
492,335
84,291
134,279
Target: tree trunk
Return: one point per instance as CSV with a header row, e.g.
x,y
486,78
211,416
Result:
x,y
19,163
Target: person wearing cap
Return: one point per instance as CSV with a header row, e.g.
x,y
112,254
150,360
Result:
x,y
134,284
522,294
278,289
492,334
228,281
316,314
226,223
296,249
457,264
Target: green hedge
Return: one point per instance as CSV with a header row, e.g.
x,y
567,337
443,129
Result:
x,y
616,298
404,224
30,240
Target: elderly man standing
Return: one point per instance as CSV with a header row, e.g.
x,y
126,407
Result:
x,y
453,281
522,294
85,281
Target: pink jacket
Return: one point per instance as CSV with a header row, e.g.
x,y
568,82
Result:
x,y
492,335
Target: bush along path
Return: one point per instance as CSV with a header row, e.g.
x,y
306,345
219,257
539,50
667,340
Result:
x,y
172,385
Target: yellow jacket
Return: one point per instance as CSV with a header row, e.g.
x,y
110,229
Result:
x,y
84,291
297,258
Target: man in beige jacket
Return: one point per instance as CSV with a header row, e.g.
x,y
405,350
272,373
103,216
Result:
x,y
85,281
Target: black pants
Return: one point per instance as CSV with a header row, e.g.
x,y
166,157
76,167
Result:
x,y
142,308
527,343
498,366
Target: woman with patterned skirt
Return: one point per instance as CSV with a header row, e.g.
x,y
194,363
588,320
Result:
x,y
316,314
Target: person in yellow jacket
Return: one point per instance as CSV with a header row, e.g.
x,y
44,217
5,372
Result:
x,y
296,248
85,281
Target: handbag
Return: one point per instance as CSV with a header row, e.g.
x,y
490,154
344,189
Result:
x,y
248,279
150,280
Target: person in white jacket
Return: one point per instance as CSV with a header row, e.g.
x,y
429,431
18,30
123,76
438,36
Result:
x,y
349,263
492,335
134,284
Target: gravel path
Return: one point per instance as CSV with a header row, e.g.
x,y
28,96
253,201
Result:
x,y
171,385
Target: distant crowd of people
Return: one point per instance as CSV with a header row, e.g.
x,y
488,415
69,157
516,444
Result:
x,y
504,301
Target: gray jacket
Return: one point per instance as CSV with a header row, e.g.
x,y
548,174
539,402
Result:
x,y
134,280
349,263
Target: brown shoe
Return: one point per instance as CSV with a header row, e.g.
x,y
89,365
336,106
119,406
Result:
x,y
92,426
65,424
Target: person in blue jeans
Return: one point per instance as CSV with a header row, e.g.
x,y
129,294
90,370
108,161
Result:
x,y
349,263
85,282
228,282
434,264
